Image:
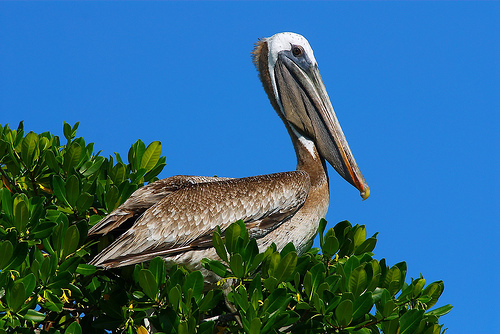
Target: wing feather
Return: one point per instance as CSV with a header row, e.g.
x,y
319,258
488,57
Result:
x,y
144,198
186,218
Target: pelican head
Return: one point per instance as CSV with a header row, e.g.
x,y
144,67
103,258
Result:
x,y
290,76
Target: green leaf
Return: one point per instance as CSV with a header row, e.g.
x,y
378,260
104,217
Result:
x,y
42,230
151,156
366,246
220,248
73,328
32,315
359,236
174,297
156,170
51,161
84,202
318,273
61,280
278,300
391,326
93,167
21,214
433,290
255,326
67,131
59,188
321,230
410,321
389,307
286,267
148,283
15,296
29,282
362,305
6,249
194,281
86,269
206,327
18,257
71,240
392,280
440,311
231,237
72,190
236,265
358,281
217,267
158,269
118,173
240,297
112,198
72,156
210,300
7,204
28,149
135,154
343,312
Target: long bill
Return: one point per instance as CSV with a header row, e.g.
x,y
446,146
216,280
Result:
x,y
307,107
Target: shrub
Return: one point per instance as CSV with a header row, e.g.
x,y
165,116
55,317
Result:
x,y
51,193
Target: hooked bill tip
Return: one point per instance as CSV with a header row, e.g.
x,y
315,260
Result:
x,y
365,193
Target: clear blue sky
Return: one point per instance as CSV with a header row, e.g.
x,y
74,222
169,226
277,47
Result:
x,y
415,86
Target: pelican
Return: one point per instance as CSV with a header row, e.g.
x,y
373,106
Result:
x,y
174,218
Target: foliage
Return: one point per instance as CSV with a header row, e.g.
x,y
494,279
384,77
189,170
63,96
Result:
x,y
51,193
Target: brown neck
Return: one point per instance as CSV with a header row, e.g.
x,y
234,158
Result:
x,y
309,160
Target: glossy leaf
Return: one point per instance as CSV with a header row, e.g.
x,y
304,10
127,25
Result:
x,y
151,156
16,296
21,214
33,315
358,281
286,267
440,311
359,236
231,237
72,156
343,312
195,282
85,269
366,246
19,256
236,265
71,239
59,188
6,249
148,283
219,246
410,321
29,147
157,268
362,305
72,190
73,328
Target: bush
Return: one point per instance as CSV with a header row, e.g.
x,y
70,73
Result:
x,y
51,193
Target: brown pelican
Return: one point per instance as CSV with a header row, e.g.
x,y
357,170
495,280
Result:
x,y
175,217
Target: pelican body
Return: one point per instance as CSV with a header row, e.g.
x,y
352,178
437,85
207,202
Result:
x,y
174,218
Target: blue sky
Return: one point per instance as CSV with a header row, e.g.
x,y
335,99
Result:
x,y
414,84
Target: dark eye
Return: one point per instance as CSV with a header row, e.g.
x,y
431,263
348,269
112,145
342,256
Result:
x,y
297,50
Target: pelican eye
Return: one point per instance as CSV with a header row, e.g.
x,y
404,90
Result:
x,y
297,51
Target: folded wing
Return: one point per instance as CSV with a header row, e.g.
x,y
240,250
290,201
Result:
x,y
144,198
185,218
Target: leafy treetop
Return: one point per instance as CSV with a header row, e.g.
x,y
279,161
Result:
x,y
51,193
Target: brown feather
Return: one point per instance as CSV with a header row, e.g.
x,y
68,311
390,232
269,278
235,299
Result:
x,y
144,198
187,217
